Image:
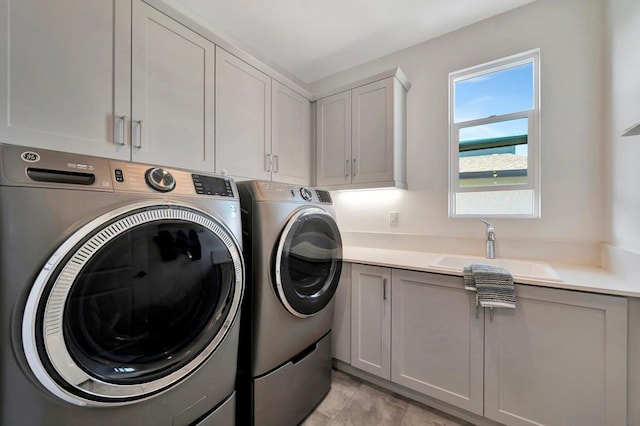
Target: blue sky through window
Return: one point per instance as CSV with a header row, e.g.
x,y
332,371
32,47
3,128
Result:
x,y
496,93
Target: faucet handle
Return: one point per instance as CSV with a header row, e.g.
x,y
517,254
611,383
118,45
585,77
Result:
x,y
489,225
491,235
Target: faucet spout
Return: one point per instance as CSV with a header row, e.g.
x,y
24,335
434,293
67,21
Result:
x,y
490,238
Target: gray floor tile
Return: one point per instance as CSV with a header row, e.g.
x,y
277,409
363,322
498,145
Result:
x,y
369,406
343,388
316,419
350,402
423,416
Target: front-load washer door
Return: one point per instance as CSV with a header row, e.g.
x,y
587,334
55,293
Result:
x,y
132,303
308,262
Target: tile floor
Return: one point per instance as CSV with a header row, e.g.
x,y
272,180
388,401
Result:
x,y
350,402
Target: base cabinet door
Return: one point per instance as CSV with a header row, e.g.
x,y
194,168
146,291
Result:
x,y
371,319
341,330
437,338
559,358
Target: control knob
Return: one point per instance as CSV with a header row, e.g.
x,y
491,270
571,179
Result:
x,y
306,194
160,179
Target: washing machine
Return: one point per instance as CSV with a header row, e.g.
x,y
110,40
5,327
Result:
x,y
293,253
120,289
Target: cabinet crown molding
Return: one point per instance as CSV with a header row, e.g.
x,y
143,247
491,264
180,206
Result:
x,y
394,72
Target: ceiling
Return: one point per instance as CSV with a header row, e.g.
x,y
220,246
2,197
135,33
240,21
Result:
x,y
313,39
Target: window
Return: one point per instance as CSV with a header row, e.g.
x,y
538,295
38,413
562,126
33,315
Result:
x,y
493,142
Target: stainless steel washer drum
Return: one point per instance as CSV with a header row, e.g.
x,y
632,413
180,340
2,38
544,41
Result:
x,y
132,303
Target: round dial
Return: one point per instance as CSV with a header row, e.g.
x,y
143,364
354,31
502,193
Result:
x,y
306,193
160,179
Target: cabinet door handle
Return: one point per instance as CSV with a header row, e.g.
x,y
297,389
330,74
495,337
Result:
x,y
384,289
118,130
137,134
346,168
354,167
267,162
276,164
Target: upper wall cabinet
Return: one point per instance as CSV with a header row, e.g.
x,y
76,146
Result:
x,y
172,92
333,154
114,78
243,119
58,81
361,137
262,127
290,136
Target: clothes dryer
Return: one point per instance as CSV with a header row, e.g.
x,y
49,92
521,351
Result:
x,y
120,289
293,253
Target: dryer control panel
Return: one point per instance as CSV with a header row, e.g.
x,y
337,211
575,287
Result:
x,y
276,191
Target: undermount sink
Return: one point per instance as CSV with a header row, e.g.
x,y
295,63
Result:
x,y
517,268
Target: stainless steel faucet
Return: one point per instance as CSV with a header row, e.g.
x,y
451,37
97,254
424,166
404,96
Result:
x,y
491,240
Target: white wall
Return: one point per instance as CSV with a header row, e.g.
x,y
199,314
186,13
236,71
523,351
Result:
x,y
623,77
570,36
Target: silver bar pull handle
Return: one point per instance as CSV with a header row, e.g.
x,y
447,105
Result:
x,y
136,131
477,305
276,164
118,130
346,168
267,162
354,167
384,289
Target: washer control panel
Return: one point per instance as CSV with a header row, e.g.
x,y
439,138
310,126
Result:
x,y
136,177
26,166
212,185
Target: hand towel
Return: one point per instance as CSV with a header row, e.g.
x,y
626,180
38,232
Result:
x,y
469,280
493,284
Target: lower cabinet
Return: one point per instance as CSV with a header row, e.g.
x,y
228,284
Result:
x,y
559,358
341,330
371,319
437,338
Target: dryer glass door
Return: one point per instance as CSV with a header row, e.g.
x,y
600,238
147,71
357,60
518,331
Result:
x,y
308,262
136,303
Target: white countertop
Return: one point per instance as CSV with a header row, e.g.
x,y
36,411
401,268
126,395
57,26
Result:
x,y
595,280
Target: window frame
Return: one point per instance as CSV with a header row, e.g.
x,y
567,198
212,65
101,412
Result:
x,y
533,136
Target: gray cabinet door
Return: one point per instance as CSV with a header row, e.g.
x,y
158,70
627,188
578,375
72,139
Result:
x,y
65,75
372,130
290,145
559,358
172,92
243,119
437,338
371,319
333,127
341,330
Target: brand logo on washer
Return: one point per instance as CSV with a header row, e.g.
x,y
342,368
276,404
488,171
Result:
x,y
30,156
